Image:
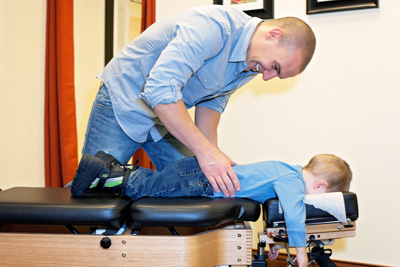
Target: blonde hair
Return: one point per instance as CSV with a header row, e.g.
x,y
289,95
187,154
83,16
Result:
x,y
334,170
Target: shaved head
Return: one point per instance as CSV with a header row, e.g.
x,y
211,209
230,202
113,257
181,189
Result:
x,y
296,35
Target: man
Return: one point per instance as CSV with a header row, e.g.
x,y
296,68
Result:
x,y
195,58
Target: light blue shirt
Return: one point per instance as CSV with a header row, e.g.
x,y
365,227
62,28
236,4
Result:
x,y
270,179
198,56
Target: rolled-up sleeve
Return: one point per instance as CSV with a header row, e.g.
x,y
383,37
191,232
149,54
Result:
x,y
163,95
218,103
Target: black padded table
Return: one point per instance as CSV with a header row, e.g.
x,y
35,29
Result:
x,y
226,241
192,212
55,206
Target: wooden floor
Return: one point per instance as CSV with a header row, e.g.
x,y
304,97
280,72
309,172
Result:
x,y
281,262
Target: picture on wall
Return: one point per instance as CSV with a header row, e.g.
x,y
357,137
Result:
x,y
321,6
256,8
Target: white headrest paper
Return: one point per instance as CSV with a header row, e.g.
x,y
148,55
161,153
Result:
x,y
333,203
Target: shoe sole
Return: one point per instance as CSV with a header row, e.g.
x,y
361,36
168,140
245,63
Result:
x,y
88,169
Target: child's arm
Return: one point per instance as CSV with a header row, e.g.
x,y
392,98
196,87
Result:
x,y
301,257
290,191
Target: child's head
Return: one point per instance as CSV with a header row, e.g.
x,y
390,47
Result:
x,y
331,169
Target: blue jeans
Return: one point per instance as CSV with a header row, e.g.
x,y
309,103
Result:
x,y
183,178
104,133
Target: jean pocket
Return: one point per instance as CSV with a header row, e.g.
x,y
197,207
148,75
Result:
x,y
103,98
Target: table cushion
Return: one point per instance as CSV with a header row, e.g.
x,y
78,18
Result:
x,y
32,205
192,212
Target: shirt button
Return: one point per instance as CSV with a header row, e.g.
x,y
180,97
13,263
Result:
x,y
205,80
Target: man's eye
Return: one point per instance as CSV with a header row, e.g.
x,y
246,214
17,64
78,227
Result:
x,y
276,67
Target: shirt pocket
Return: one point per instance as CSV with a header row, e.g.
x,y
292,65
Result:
x,y
210,77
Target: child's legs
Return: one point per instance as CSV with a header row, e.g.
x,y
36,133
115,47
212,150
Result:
x,y
181,179
104,133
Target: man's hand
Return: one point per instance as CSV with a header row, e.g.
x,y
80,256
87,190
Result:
x,y
219,172
214,167
201,138
231,162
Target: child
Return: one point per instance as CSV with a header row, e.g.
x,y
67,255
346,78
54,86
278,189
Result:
x,y
260,181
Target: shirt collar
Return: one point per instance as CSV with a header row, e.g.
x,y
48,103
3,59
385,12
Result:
x,y
238,53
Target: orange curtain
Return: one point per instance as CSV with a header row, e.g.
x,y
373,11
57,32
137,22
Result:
x,y
148,18
148,13
60,136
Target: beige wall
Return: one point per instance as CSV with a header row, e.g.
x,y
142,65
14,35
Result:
x,y
89,23
22,55
345,103
22,59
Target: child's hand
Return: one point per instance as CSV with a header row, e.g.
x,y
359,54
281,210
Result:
x,y
273,253
301,258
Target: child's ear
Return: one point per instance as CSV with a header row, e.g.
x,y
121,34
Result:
x,y
320,186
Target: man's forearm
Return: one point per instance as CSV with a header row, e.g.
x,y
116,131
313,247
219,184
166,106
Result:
x,y
207,121
176,119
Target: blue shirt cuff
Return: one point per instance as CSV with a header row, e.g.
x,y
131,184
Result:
x,y
297,238
154,95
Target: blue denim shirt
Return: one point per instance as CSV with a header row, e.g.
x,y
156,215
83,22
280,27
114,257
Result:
x,y
198,56
264,180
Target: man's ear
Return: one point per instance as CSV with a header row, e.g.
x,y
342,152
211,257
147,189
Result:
x,y
320,186
274,33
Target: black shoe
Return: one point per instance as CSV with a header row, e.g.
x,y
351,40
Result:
x,y
322,256
108,158
88,170
93,174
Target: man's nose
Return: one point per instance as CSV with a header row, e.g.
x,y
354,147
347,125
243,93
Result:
x,y
268,75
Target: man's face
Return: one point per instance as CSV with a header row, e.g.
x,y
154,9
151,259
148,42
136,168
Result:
x,y
266,56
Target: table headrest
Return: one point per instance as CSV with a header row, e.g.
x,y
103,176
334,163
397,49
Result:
x,y
274,217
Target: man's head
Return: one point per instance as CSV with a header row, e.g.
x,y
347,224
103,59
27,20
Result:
x,y
327,173
280,48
